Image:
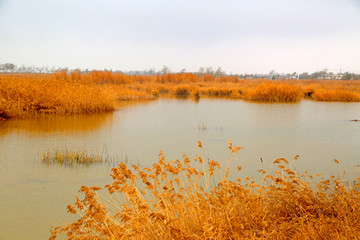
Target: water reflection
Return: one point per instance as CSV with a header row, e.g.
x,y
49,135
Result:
x,y
51,124
64,124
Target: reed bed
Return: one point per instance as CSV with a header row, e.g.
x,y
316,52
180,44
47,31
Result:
x,y
68,158
272,92
191,199
23,96
336,95
26,95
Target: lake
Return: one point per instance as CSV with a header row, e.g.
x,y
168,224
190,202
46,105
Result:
x,y
34,196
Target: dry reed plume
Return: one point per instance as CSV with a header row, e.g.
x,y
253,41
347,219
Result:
x,y
191,199
24,95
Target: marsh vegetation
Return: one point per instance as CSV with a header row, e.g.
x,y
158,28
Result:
x,y
318,131
194,199
26,95
65,157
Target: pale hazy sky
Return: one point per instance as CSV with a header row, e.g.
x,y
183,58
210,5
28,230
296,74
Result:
x,y
240,36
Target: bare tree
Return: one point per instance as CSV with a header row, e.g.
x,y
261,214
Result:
x,y
201,71
165,70
209,70
7,67
219,72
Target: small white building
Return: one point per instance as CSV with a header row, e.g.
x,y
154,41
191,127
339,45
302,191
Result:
x,y
330,76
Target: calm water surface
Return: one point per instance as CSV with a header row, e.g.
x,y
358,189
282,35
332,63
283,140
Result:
x,y
34,196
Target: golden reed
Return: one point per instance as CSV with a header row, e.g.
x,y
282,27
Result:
x,y
25,95
191,199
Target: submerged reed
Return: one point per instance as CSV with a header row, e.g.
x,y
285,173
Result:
x,y
68,158
191,199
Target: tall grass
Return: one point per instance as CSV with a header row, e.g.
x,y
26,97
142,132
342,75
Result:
x,y
272,92
24,95
21,96
336,95
191,199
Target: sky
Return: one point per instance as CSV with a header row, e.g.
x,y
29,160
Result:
x,y
241,36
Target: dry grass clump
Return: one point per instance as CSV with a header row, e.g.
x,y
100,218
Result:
x,y
182,91
331,90
68,158
191,199
272,92
337,95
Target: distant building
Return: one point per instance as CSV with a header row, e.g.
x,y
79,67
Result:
x,y
329,76
249,76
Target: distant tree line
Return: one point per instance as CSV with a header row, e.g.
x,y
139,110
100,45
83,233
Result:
x,y
323,74
12,68
166,70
